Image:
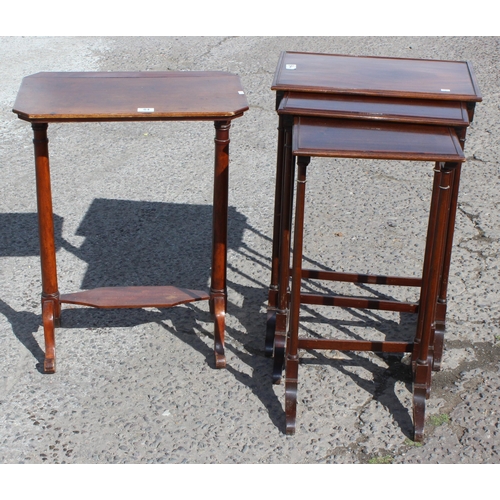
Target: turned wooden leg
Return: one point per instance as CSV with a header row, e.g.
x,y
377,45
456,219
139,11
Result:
x,y
292,348
218,289
272,301
442,301
431,281
51,306
284,254
443,290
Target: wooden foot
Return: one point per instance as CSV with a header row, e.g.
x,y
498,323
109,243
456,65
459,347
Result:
x,y
218,304
220,360
438,347
421,392
48,308
279,348
291,395
419,397
279,357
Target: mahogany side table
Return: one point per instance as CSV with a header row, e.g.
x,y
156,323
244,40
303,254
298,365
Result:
x,y
45,98
368,88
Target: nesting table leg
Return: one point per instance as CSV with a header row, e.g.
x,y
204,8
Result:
x,y
51,306
442,299
218,289
272,302
431,281
292,347
284,254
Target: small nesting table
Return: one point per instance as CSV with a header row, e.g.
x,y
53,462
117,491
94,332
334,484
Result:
x,y
342,93
45,98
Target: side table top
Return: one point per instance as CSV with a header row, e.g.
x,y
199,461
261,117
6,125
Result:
x,y
130,96
377,76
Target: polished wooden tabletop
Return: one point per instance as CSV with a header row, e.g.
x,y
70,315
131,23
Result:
x,y
452,113
378,76
330,137
125,96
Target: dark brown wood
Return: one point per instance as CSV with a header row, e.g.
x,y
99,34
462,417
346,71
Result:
x,y
357,302
341,95
218,291
72,97
134,297
378,109
284,257
45,215
426,111
381,140
275,257
51,305
355,345
432,272
440,324
372,279
336,138
292,347
378,90
376,76
170,95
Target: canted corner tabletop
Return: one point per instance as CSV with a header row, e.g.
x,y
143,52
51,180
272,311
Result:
x,y
45,98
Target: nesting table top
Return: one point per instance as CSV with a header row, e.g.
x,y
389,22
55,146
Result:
x,y
377,76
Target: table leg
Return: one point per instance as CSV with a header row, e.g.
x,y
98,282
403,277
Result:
x,y
431,281
272,301
51,306
292,347
284,253
443,291
218,288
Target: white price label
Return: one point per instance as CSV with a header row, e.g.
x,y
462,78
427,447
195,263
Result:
x,y
145,110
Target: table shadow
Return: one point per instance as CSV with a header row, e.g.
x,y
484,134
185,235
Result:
x,y
19,234
152,243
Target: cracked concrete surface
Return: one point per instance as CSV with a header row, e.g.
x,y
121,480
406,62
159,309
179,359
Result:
x,y
140,386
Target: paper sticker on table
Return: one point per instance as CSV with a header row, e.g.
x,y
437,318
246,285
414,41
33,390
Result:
x,y
290,66
145,110
445,90
241,92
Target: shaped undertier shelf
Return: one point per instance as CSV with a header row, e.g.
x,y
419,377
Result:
x,y
134,297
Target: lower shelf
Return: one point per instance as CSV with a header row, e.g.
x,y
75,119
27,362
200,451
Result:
x,y
134,297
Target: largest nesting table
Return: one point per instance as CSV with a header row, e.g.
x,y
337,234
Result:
x,y
45,98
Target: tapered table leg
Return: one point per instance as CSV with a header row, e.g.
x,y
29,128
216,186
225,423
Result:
x,y
218,289
51,306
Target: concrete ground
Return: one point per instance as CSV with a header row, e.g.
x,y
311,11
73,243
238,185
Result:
x,y
132,205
